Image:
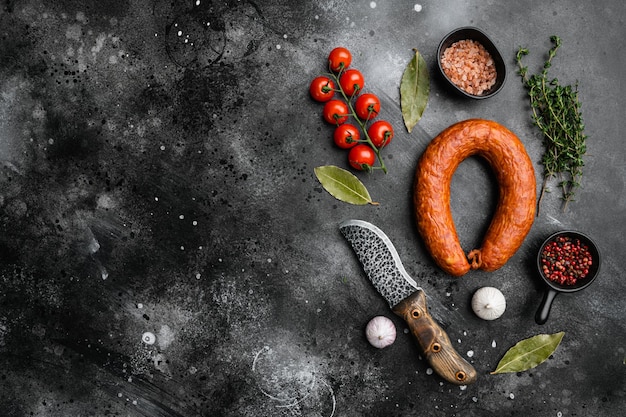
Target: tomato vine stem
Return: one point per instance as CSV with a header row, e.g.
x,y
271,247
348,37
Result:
x,y
362,123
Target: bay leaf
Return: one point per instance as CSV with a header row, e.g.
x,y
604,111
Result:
x,y
529,353
414,90
343,185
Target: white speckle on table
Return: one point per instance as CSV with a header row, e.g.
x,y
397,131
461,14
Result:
x,y
470,353
166,336
287,379
417,7
93,246
373,4
148,338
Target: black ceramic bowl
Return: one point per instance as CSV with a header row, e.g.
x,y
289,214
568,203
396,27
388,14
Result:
x,y
555,288
472,33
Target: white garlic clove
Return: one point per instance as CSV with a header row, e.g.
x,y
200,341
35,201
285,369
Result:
x,y
380,332
488,303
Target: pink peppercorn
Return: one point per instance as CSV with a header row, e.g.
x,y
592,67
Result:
x,y
566,260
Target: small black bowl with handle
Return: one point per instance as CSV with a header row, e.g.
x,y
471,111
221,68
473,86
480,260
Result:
x,y
554,288
473,34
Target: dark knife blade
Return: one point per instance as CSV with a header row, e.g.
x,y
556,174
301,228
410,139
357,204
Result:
x,y
382,265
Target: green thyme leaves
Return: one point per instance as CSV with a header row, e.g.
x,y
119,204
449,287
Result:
x,y
556,111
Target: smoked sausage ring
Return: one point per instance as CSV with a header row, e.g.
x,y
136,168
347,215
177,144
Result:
x,y
515,210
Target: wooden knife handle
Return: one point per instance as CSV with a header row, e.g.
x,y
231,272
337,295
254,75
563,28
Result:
x,y
434,341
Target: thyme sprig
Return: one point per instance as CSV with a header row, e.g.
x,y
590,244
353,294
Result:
x,y
556,111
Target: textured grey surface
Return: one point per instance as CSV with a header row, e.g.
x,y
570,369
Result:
x,y
156,175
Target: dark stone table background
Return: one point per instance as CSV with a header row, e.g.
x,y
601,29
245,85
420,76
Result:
x,y
156,175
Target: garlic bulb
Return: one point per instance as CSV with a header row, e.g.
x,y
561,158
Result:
x,y
488,303
380,332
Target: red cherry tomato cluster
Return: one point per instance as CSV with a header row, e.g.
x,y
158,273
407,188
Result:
x,y
352,112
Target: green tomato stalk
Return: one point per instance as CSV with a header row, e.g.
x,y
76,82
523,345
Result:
x,y
362,123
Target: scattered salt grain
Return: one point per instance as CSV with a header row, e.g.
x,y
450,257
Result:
x,y
148,338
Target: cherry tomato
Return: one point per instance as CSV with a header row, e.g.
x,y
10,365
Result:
x,y
352,82
346,136
322,89
367,106
339,59
362,157
380,133
335,112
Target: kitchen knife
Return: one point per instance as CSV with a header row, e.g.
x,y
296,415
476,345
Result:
x,y
383,267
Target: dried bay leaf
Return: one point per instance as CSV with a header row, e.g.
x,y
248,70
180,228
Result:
x,y
529,353
343,185
414,91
